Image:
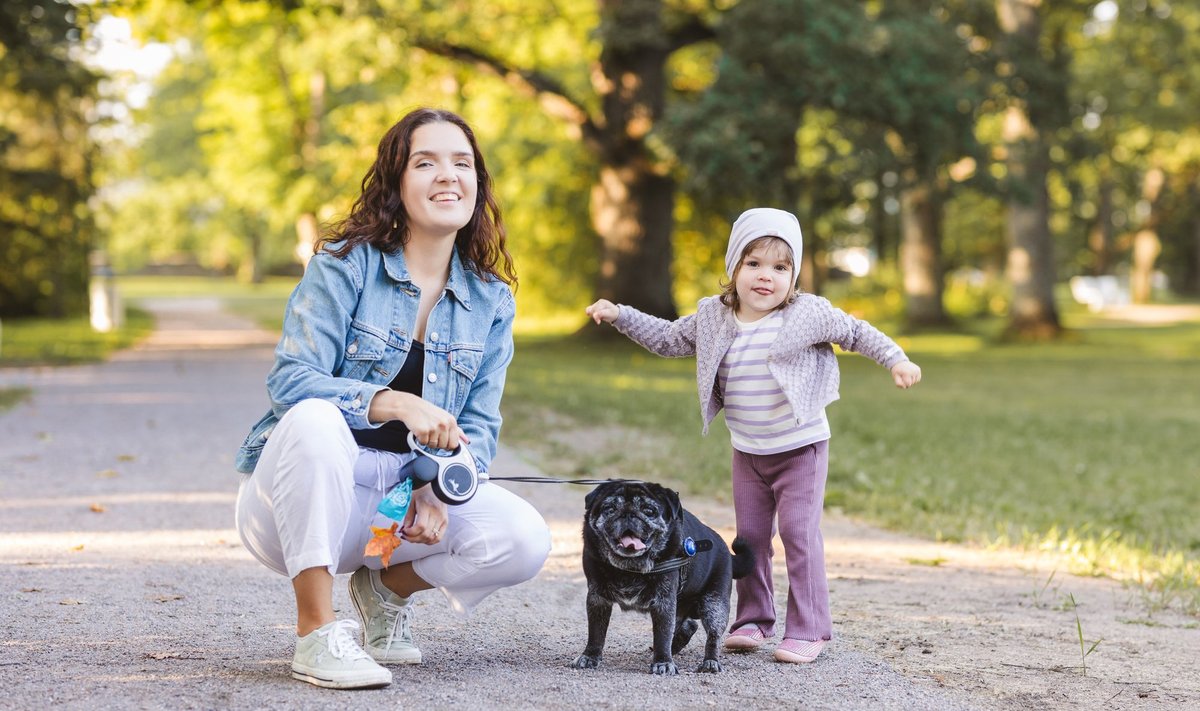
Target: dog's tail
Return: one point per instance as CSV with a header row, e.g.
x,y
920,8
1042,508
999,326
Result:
x,y
743,558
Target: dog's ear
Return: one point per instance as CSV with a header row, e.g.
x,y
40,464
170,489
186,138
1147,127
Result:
x,y
591,497
670,499
676,507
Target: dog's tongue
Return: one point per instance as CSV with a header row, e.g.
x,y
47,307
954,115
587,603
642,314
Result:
x,y
632,542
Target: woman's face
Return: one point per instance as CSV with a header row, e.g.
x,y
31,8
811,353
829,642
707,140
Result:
x,y
764,280
439,184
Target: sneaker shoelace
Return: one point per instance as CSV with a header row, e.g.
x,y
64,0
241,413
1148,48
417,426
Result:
x,y
341,635
399,618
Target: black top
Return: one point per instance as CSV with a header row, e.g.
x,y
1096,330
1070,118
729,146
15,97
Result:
x,y
392,436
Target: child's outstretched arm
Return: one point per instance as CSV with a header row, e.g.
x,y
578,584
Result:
x,y
906,374
603,310
672,339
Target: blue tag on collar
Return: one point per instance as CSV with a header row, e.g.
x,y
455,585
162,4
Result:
x,y
689,546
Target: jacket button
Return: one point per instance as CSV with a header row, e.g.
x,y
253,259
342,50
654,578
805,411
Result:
x,y
353,348
356,402
433,337
433,377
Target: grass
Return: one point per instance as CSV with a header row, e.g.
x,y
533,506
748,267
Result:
x,y
1084,448
45,341
9,397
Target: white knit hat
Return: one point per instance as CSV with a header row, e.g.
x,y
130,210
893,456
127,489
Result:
x,y
762,222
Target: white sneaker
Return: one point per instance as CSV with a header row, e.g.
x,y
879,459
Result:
x,y
330,657
387,619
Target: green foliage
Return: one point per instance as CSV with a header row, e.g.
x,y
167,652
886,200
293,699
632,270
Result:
x,y
1130,122
45,161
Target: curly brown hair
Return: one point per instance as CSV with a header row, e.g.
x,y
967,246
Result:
x,y
378,216
729,295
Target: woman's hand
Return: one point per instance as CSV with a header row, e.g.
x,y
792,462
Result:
x,y
426,519
906,374
431,425
603,310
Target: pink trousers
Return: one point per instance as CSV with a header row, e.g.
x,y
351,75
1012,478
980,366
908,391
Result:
x,y
789,486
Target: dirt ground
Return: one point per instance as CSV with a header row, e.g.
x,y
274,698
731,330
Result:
x,y
123,585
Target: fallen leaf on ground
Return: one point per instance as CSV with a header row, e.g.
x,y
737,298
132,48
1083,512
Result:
x,y
77,548
931,562
125,457
70,601
31,589
108,474
383,543
168,598
170,655
98,508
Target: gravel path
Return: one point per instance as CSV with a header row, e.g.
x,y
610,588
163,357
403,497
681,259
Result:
x,y
123,585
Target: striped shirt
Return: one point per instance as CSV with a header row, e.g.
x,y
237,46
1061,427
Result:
x,y
758,415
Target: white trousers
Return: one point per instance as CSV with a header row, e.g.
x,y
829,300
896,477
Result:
x,y
313,496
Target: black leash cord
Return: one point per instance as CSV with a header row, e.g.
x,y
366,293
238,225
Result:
x,y
551,480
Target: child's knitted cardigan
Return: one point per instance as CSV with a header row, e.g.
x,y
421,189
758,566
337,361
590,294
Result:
x,y
801,358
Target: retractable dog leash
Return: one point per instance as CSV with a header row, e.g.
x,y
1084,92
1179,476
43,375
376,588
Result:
x,y
454,479
453,476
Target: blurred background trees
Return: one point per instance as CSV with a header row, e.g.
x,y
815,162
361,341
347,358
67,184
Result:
x,y
947,158
46,160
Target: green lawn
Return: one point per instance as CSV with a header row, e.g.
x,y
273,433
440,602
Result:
x,y
1086,447
44,341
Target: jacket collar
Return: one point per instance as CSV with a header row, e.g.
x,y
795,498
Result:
x,y
457,284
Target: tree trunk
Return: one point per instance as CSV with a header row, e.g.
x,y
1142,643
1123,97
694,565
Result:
x,y
309,129
1101,236
1146,244
1192,278
307,232
633,201
921,255
1032,313
1031,272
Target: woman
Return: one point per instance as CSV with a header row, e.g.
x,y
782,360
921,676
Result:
x,y
402,323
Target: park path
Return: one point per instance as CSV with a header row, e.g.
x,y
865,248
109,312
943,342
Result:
x,y
123,585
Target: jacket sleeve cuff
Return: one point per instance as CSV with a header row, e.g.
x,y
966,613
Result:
x,y
891,359
355,403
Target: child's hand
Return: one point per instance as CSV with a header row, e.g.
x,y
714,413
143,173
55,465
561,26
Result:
x,y
906,374
603,310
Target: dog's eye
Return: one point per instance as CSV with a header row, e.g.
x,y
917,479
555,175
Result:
x,y
649,510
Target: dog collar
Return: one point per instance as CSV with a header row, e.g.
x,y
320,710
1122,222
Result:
x,y
690,548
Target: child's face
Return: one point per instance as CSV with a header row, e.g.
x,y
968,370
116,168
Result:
x,y
764,280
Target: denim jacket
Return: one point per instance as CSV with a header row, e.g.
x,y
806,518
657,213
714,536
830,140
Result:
x,y
348,328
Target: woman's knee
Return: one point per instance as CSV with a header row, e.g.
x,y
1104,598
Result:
x,y
531,546
316,429
519,546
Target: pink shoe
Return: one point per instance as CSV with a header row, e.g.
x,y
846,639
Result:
x,y
798,651
745,638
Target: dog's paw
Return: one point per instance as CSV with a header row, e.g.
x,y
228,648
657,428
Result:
x,y
709,666
664,669
583,661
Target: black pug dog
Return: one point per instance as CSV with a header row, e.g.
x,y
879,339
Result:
x,y
634,538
